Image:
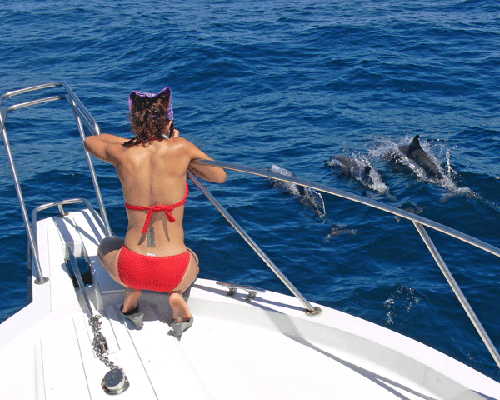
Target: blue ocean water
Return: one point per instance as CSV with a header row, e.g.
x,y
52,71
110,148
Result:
x,y
292,84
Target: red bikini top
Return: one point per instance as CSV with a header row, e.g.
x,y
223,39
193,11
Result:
x,y
159,208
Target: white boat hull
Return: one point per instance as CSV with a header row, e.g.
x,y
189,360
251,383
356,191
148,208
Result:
x,y
267,348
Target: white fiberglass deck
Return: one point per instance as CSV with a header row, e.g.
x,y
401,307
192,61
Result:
x,y
265,349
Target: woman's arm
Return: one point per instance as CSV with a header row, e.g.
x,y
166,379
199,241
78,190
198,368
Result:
x,y
209,173
102,145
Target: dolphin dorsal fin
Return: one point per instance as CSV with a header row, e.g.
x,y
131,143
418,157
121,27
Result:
x,y
414,145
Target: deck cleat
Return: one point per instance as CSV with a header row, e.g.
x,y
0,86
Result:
x,y
233,289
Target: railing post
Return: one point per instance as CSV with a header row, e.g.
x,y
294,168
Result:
x,y
40,279
80,112
104,215
458,292
310,310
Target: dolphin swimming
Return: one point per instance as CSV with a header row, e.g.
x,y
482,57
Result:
x,y
417,154
307,196
359,169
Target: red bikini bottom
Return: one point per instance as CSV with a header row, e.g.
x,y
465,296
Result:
x,y
160,274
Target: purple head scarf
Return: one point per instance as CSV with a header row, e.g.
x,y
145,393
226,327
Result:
x,y
135,94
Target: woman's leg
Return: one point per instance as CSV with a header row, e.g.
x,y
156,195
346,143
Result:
x,y
108,253
180,310
131,299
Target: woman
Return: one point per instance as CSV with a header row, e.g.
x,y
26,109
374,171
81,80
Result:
x,y
152,168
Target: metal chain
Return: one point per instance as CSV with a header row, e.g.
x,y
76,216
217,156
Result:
x,y
115,381
99,343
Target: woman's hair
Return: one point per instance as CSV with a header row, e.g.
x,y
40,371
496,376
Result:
x,y
149,117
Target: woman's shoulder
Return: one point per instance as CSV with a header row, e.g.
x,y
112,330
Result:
x,y
104,146
182,143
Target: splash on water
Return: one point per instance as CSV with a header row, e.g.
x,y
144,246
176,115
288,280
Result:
x,y
359,168
390,151
404,303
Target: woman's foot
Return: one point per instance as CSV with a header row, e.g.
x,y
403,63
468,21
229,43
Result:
x,y
131,299
130,308
180,310
183,319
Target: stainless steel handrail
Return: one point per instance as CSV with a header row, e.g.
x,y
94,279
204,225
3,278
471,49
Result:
x,y
83,117
310,310
59,204
359,199
40,279
419,223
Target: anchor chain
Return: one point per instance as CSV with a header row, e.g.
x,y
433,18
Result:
x,y
115,381
99,343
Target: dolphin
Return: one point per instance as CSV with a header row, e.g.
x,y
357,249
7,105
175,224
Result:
x,y
418,155
307,196
358,169
352,168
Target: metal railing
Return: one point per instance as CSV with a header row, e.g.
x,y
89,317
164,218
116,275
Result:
x,y
419,222
83,119
310,310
